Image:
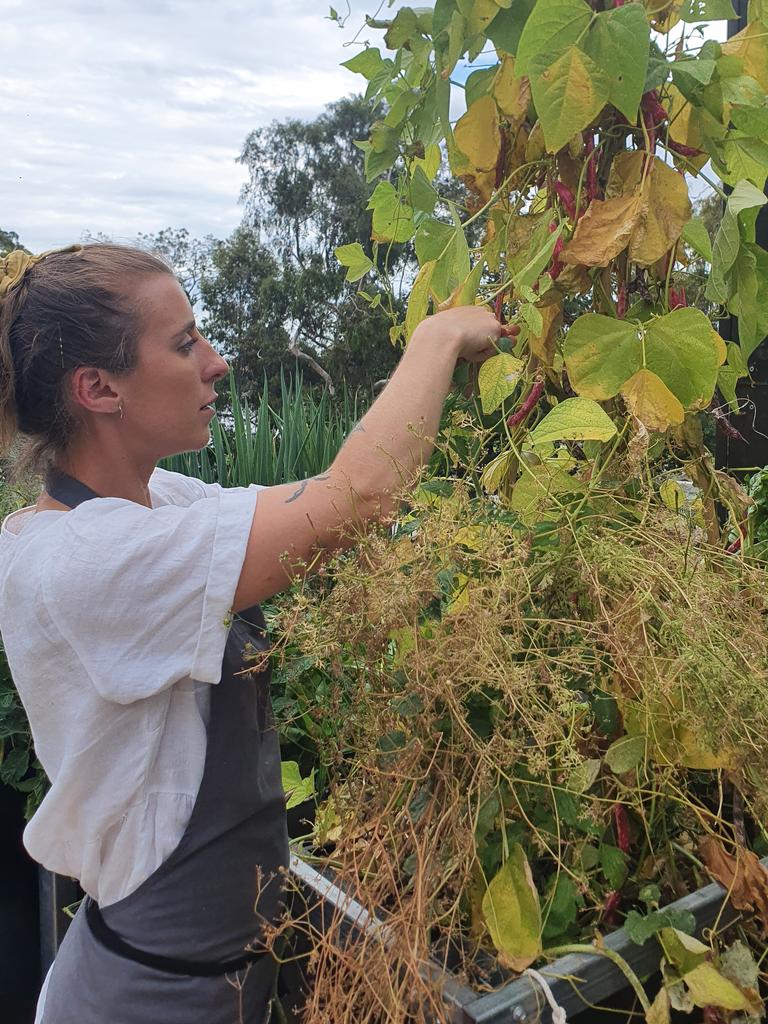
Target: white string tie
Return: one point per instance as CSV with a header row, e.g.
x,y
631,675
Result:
x,y
558,1013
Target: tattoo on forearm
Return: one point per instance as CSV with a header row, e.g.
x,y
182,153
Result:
x,y
303,486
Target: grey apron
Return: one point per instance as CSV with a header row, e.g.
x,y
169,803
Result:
x,y
201,909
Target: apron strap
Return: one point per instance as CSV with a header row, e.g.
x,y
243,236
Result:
x,y
66,489
171,965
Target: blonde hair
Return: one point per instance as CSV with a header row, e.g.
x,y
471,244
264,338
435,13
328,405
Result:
x,y
71,309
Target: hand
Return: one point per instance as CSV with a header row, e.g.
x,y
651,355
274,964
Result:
x,y
472,331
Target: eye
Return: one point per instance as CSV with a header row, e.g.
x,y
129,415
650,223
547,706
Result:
x,y
187,345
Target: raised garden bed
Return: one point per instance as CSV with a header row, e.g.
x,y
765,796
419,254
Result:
x,y
577,981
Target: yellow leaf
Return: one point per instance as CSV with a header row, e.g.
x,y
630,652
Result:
x,y
497,379
535,496
663,14
720,347
496,470
429,163
477,134
708,987
459,596
470,537
650,400
685,125
673,495
568,95
464,294
574,419
512,94
479,14
659,1011
542,345
666,209
751,46
418,303
534,146
604,230
512,912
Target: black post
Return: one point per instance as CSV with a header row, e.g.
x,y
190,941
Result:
x,y
752,422
56,893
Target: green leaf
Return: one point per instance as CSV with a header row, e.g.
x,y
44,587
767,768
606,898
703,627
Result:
x,y
707,10
392,219
683,951
625,754
640,927
679,349
584,776
575,419
296,789
447,246
696,235
479,84
507,27
699,69
563,908
353,257
14,766
658,69
418,302
743,157
613,862
512,913
601,354
367,63
568,94
403,26
730,374
552,27
750,299
498,379
743,90
423,195
530,259
618,41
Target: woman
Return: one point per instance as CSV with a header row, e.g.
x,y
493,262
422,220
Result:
x,y
128,596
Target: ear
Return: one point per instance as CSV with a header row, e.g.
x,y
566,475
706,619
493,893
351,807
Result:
x,y
91,389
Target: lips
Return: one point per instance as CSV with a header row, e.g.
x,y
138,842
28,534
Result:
x,y
210,405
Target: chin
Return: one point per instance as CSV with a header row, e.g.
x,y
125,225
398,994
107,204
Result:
x,y
189,445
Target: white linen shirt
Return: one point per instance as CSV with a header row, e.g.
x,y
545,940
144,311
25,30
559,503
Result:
x,y
114,618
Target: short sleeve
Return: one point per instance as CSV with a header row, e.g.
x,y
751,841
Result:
x,y
144,595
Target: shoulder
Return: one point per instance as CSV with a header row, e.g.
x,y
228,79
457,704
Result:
x,y
168,488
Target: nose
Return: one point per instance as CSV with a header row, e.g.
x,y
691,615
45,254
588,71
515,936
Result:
x,y
217,367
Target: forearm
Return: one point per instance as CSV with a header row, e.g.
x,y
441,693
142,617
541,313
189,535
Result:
x,y
396,436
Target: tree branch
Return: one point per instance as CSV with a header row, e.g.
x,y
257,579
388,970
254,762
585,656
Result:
x,y
294,350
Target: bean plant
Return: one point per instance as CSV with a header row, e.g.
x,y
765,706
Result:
x,y
556,663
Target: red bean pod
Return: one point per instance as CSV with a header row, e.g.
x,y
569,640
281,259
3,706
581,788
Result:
x,y
528,405
621,824
567,198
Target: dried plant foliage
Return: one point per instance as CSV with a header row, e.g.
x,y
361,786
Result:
x,y
588,689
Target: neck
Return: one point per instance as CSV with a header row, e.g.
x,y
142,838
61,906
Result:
x,y
116,474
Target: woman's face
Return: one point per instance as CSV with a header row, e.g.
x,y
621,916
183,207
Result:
x,y
165,398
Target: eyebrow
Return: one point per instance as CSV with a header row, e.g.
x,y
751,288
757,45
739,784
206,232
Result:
x,y
184,330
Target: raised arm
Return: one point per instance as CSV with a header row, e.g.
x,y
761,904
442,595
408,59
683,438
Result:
x,y
296,524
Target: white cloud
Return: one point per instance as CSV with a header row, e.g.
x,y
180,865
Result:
x,y
129,115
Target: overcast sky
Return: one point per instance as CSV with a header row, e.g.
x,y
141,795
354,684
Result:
x,y
121,116
127,116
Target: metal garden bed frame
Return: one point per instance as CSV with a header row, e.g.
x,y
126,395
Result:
x,y
577,981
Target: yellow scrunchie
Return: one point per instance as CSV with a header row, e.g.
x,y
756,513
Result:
x,y
14,266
